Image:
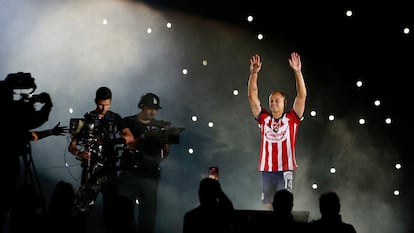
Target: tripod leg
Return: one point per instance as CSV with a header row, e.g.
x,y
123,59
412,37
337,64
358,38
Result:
x,y
30,175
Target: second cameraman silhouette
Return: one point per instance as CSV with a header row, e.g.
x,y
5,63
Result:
x,y
94,142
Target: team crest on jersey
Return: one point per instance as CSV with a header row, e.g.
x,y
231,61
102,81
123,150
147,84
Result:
x,y
276,125
275,135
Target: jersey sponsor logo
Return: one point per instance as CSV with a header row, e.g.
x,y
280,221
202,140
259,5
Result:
x,y
274,137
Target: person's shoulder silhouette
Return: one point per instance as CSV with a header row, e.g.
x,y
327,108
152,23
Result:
x,y
283,204
121,216
26,210
331,220
62,216
281,218
214,213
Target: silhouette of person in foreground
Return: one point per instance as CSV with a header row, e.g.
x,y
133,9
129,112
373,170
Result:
x,y
121,213
331,220
62,215
281,219
25,214
215,212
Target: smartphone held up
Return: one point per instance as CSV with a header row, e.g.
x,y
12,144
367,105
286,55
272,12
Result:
x,y
213,172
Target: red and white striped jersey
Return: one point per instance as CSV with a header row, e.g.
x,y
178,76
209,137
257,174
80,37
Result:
x,y
277,148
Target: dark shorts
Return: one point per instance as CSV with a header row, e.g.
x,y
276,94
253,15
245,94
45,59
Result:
x,y
275,181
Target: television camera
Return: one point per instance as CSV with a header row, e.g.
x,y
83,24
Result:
x,y
18,101
164,132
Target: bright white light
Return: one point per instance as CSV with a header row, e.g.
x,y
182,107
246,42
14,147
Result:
x,y
185,71
388,120
348,13
169,25
137,201
260,36
149,30
235,92
249,18
396,192
210,124
377,102
104,22
315,186
406,30
313,113
398,166
332,170
359,83
204,62
194,118
70,110
331,117
361,121
190,151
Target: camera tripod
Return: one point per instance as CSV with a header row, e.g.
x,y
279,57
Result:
x,y
29,174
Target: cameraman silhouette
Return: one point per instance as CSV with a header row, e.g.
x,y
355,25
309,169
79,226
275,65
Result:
x,y
18,118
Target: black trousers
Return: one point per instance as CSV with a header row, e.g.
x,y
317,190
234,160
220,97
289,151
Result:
x,y
141,186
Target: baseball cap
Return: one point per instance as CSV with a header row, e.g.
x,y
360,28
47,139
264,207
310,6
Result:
x,y
150,100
